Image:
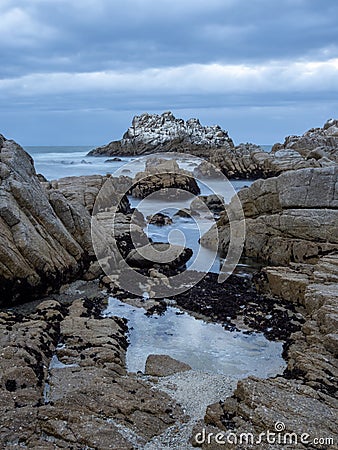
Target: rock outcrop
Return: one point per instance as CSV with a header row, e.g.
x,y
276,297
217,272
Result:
x,y
290,218
152,133
291,221
44,238
164,179
317,143
64,384
316,148
304,399
164,133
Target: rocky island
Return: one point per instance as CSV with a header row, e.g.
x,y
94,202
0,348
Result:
x,y
64,381
153,133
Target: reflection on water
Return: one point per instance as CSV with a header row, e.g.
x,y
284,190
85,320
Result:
x,y
205,346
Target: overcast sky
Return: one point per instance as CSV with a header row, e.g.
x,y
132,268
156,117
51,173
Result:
x,y
77,71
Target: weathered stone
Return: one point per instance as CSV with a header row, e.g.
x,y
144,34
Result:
x,y
160,219
164,365
159,253
44,240
163,179
77,393
152,133
289,218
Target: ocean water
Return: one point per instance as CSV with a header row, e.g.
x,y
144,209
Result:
x,y
57,162
205,346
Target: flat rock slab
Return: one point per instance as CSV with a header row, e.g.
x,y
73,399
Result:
x,y
164,365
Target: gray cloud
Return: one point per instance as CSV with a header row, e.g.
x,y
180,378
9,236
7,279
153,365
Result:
x,y
97,35
94,56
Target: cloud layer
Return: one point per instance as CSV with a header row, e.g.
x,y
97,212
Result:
x,y
99,55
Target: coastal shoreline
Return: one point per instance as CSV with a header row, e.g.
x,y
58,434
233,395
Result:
x,y
46,243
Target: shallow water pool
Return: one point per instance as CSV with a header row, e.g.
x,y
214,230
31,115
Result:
x,y
205,346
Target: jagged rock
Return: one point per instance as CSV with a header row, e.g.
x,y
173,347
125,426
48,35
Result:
x,y
316,143
213,203
316,148
184,212
151,133
44,239
160,219
164,365
164,179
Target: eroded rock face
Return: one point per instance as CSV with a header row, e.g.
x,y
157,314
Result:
x,y
164,179
316,148
312,352
291,218
151,133
44,239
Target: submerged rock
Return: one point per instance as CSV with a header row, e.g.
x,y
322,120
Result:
x,y
160,219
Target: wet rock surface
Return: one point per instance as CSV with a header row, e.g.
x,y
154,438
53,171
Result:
x,y
237,305
164,365
64,384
